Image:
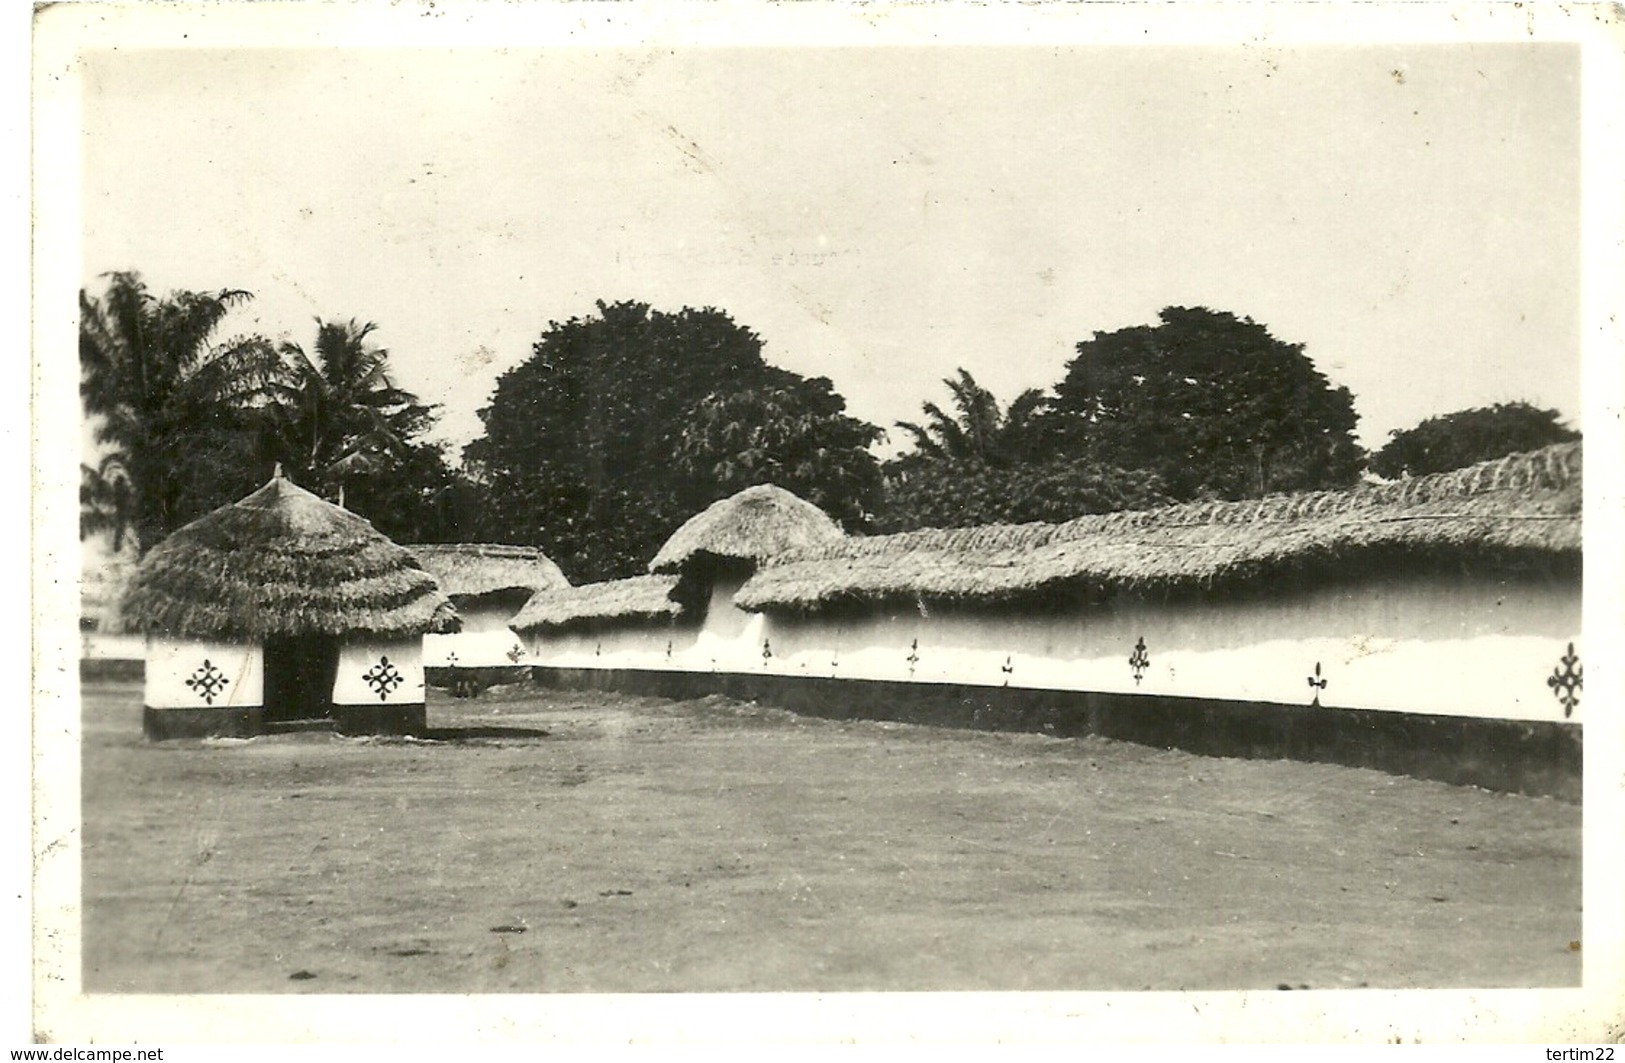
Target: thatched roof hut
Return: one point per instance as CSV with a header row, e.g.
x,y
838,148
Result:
x,y
1521,506
752,526
283,562
640,598
472,570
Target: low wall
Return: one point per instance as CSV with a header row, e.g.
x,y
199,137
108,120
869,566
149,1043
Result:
x,y
1516,756
470,682
160,725
396,719
112,669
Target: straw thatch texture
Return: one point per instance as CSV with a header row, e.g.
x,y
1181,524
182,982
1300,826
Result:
x,y
638,598
753,525
283,562
1525,503
468,570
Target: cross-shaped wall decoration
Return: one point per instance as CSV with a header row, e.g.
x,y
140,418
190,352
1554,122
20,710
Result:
x,y
1317,684
1139,660
208,681
913,656
1007,668
1566,681
383,677
767,651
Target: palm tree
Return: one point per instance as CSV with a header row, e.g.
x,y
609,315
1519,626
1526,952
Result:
x,y
977,431
340,414
154,386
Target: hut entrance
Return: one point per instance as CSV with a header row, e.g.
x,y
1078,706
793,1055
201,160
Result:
x,y
299,675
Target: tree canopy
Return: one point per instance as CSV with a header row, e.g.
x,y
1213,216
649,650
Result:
x,y
1211,403
980,464
977,430
794,434
185,426
620,425
949,493
1465,437
171,410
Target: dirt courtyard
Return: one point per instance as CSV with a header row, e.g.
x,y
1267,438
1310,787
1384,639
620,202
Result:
x,y
547,841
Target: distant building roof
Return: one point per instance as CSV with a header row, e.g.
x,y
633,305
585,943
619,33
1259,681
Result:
x,y
468,570
638,598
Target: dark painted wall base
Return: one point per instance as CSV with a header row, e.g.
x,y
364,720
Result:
x,y
111,669
1508,755
161,724
469,682
381,719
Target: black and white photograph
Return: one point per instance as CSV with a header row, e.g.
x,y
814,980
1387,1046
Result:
x,y
578,522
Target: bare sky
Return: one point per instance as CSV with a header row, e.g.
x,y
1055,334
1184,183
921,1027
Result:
x,y
879,216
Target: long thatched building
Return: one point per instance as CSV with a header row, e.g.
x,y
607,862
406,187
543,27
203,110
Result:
x,y
280,610
1430,625
683,611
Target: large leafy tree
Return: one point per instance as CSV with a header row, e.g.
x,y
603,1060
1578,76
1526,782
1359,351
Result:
x,y
795,434
1213,404
620,424
172,411
1454,440
978,463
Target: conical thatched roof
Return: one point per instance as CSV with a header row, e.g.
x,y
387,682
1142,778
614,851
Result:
x,y
468,570
753,525
283,562
1518,507
638,598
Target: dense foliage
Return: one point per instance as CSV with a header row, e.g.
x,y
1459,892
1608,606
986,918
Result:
x,y
794,434
621,425
979,464
950,493
1454,440
184,426
1211,403
171,411
339,423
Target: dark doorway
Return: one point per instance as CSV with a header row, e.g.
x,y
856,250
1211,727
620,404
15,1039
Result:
x,y
299,674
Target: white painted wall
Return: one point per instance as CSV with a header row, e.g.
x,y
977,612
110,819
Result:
x,y
178,674
485,641
399,659
476,649
1441,645
101,646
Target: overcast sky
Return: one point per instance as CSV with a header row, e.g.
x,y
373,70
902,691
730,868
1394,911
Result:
x,y
879,216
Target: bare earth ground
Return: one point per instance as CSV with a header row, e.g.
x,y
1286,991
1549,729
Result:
x,y
644,845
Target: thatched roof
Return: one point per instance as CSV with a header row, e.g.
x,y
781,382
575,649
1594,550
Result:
x,y
1525,504
753,525
283,562
638,598
468,570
